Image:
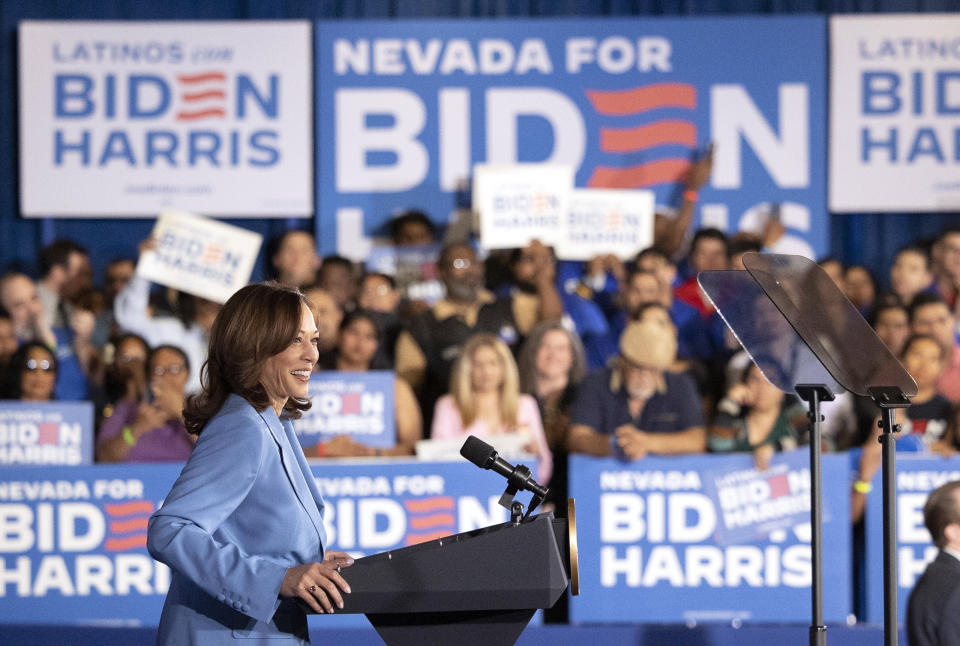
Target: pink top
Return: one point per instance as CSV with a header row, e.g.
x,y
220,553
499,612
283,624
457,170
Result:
x,y
448,425
949,384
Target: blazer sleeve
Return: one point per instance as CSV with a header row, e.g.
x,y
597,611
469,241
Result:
x,y
218,476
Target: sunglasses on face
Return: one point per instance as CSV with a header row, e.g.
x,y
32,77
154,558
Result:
x,y
43,364
159,371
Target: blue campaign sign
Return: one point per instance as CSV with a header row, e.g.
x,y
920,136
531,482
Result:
x,y
405,109
73,541
648,535
46,432
357,404
917,476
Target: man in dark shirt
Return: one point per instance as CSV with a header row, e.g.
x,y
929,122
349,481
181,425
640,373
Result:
x,y
933,611
638,407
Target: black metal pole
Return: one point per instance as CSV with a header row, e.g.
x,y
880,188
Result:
x,y
889,475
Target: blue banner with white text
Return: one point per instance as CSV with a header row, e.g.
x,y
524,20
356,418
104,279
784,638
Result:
x,y
406,108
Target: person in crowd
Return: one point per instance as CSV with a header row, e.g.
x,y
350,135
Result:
x,y
379,296
947,276
338,278
412,228
188,328
757,417
833,269
638,407
430,344
551,365
8,338
64,274
930,315
295,261
31,374
739,245
859,287
328,316
357,351
911,273
485,401
927,417
18,296
670,232
232,571
125,375
152,430
933,607
891,322
708,251
118,274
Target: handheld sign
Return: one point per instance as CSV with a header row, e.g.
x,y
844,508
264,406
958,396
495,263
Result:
x,y
200,256
356,404
520,203
605,221
46,432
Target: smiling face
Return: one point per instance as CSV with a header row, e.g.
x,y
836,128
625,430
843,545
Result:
x,y
287,374
38,376
555,355
359,342
486,371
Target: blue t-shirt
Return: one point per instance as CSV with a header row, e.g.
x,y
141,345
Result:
x,y
672,411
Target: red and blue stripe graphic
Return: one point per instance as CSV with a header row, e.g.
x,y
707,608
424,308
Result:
x,y
429,519
202,96
643,107
127,525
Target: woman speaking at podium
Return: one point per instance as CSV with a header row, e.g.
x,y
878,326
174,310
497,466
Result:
x,y
242,527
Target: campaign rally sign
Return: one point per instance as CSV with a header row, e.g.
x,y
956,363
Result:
x,y
602,221
200,256
413,268
357,404
521,203
894,106
753,503
406,109
917,476
46,432
73,543
128,118
649,532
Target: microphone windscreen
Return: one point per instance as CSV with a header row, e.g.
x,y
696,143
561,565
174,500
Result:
x,y
478,452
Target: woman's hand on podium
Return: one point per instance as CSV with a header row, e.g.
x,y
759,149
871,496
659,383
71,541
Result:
x,y
319,585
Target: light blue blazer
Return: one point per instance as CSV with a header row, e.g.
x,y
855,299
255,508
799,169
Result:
x,y
244,509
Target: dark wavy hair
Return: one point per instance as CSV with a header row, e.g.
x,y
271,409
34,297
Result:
x,y
256,323
11,385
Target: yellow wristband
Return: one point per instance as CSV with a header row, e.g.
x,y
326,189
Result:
x,y
128,437
862,487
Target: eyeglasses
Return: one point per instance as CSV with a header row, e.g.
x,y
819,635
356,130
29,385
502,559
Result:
x,y
159,371
127,358
44,364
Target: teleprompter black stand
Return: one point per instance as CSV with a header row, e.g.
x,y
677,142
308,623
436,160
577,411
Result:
x,y
470,589
806,337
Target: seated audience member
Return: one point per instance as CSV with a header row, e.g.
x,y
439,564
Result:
x,y
188,328
295,261
927,417
859,287
64,274
739,245
485,401
638,407
337,277
379,296
8,338
119,272
708,251
356,351
151,431
833,269
125,375
551,365
328,316
18,296
412,229
947,268
933,608
930,315
891,322
911,273
758,417
433,340
31,374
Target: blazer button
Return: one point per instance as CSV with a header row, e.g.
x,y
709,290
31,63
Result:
x,y
244,609
237,605
221,598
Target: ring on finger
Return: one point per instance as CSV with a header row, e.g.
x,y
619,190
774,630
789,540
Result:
x,y
338,568
312,588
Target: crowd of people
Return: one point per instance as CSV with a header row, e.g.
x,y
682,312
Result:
x,y
607,357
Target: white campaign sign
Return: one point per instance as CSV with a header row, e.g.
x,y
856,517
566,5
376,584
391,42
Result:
x,y
201,256
520,203
606,221
895,113
122,119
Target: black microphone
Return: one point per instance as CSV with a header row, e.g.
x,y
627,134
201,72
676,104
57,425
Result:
x,y
485,456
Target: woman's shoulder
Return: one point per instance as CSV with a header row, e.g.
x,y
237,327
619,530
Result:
x,y
235,416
